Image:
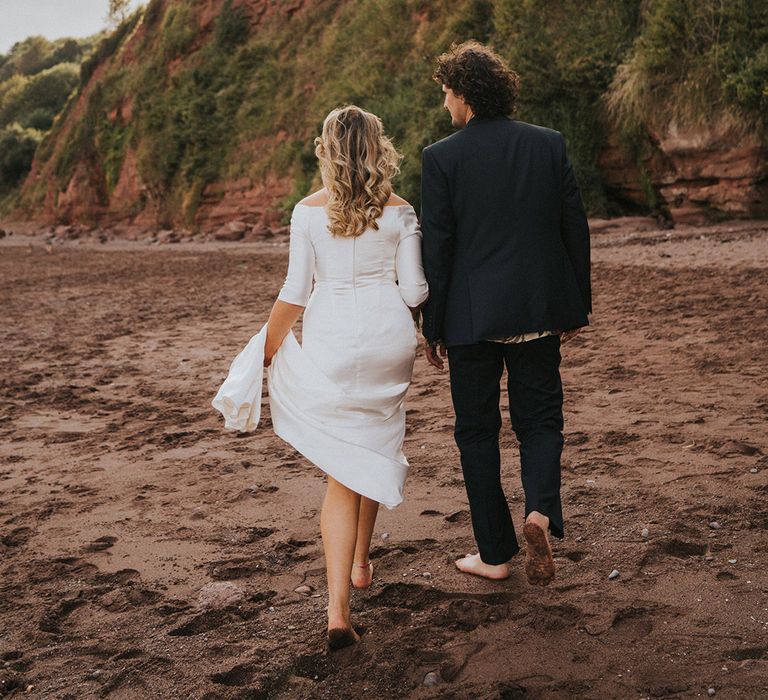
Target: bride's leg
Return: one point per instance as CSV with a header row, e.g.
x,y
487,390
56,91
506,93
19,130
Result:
x,y
338,525
362,569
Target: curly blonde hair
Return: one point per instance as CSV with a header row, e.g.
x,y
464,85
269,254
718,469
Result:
x,y
357,164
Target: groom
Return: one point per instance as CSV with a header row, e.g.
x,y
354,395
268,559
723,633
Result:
x,y
506,256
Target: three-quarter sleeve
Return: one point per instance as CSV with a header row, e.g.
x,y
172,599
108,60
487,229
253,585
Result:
x,y
408,265
301,261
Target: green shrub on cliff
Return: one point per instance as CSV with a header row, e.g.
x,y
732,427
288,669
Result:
x,y
37,77
17,147
38,98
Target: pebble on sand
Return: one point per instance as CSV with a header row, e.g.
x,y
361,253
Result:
x,y
218,595
753,470
304,590
710,692
714,525
732,561
384,536
614,574
644,533
431,679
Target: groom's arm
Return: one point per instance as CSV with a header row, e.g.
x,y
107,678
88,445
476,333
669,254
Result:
x,y
574,229
437,228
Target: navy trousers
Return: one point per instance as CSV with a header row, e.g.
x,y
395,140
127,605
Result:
x,y
536,410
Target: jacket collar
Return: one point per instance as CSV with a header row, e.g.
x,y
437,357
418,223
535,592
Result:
x,y
485,120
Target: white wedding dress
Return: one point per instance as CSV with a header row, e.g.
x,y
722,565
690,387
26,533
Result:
x,y
338,397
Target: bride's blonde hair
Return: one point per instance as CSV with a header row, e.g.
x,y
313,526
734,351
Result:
x,y
357,164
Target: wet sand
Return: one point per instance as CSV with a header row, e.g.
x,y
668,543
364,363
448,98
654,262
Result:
x,y
122,497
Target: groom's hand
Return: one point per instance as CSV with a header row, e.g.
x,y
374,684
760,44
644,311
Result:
x,y
435,352
565,336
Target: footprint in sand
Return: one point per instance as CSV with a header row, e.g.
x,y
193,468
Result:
x,y
237,676
99,544
460,516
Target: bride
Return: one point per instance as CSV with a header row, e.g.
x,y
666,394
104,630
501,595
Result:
x,y
338,398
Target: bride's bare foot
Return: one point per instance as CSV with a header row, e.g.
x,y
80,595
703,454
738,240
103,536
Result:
x,y
341,632
362,575
340,637
473,564
539,564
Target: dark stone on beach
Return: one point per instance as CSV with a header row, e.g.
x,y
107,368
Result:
x,y
227,234
168,236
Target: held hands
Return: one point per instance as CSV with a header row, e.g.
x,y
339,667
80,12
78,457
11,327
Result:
x,y
435,353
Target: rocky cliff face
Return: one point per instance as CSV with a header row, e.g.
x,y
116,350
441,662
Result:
x,y
695,174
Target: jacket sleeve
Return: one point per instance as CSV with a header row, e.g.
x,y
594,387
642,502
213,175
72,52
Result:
x,y
574,229
438,230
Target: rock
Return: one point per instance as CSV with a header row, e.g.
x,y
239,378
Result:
x,y
384,536
258,232
237,226
168,236
732,561
218,595
431,679
304,590
714,525
708,557
710,691
426,574
644,533
753,470
614,574
227,234
114,601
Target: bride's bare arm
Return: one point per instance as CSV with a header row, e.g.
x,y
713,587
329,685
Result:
x,y
281,320
294,295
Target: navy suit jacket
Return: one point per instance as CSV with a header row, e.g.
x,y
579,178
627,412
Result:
x,y
505,237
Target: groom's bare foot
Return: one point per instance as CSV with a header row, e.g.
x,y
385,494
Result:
x,y
362,575
473,564
539,564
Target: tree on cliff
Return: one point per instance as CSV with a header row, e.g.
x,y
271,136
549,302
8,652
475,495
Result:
x,y
118,11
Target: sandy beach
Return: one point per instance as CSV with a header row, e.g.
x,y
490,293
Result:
x,y
147,553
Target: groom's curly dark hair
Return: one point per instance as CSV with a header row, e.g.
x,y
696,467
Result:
x,y
482,77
